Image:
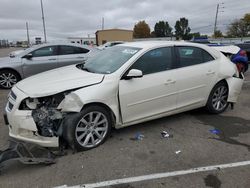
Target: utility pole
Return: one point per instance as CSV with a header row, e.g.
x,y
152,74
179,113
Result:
x,y
216,17
44,30
102,23
28,36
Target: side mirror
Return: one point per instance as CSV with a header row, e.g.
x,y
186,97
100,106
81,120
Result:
x,y
133,73
28,56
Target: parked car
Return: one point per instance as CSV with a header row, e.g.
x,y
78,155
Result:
x,y
245,46
109,44
121,86
22,64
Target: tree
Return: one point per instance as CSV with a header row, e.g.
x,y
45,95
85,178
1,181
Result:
x,y
247,23
163,29
141,30
237,29
217,34
182,29
196,35
240,28
152,34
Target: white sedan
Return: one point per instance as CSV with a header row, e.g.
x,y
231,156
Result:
x,y
121,86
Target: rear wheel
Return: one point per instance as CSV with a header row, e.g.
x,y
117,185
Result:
x,y
217,101
8,79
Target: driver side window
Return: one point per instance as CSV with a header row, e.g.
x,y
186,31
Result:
x,y
156,60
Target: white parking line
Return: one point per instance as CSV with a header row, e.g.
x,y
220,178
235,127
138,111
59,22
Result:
x,y
158,175
246,81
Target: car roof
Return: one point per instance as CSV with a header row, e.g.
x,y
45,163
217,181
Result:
x,y
146,45
152,44
35,47
62,43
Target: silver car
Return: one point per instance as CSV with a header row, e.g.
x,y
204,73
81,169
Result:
x,y
39,59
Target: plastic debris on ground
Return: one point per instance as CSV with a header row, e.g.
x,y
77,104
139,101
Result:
x,y
178,152
138,136
26,153
215,131
165,134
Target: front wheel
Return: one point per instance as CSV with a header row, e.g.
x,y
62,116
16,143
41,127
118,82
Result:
x,y
90,128
8,79
217,101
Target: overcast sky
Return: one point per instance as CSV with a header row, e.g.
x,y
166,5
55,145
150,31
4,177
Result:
x,y
78,18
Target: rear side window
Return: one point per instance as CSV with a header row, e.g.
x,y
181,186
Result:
x,y
192,56
156,60
79,50
67,50
45,51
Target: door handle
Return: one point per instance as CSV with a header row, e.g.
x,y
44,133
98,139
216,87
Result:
x,y
210,72
170,81
52,59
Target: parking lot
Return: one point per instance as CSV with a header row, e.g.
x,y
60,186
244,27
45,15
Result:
x,y
121,156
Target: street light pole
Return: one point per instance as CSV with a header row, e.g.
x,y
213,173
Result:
x,y
28,37
44,30
216,17
218,8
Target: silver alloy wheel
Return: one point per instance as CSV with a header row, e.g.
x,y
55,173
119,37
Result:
x,y
219,100
91,129
7,80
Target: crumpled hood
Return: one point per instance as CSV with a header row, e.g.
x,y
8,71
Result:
x,y
58,80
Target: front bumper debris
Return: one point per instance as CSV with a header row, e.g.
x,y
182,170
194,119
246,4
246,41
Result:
x,y
5,118
26,153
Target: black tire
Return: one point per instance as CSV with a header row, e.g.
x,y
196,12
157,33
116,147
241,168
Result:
x,y
8,78
72,128
217,101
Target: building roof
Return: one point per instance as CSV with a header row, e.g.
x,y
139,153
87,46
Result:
x,y
113,30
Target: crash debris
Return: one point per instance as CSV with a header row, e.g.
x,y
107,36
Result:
x,y
26,153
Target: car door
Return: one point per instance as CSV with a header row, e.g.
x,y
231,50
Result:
x,y
152,94
42,59
69,55
196,74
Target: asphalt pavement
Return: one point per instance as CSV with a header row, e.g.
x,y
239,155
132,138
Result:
x,y
123,157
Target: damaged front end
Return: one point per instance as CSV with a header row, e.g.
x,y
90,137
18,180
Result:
x,y
49,113
28,142
46,114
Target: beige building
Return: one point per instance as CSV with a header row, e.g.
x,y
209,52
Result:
x,y
103,36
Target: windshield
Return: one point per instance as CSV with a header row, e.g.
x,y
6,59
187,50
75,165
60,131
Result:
x,y
110,60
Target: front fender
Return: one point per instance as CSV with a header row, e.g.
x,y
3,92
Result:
x,y
105,93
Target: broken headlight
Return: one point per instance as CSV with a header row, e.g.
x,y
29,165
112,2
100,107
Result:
x,y
45,113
